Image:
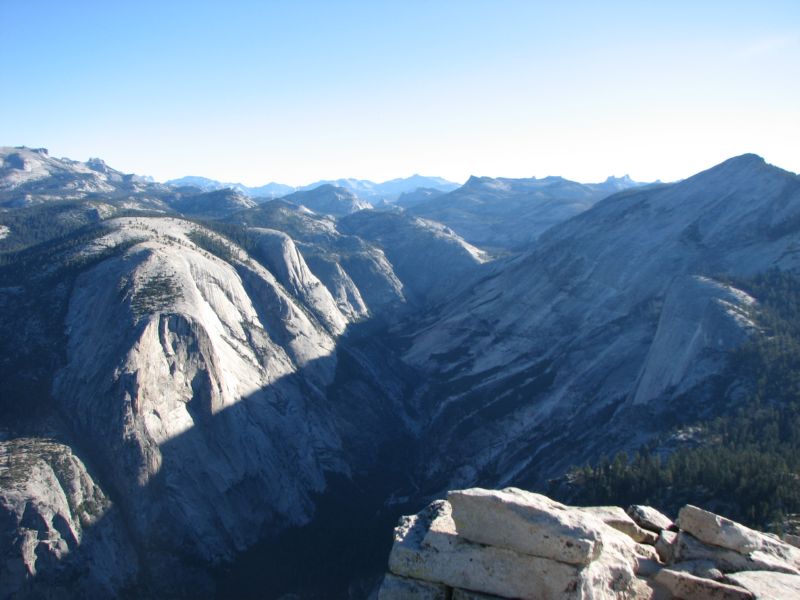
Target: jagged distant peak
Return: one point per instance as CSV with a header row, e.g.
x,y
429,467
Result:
x,y
5,150
98,164
21,157
483,181
613,184
624,179
744,162
23,166
39,162
477,180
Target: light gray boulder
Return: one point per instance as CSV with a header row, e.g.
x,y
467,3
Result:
x,y
428,547
498,544
649,518
688,548
719,531
527,523
690,587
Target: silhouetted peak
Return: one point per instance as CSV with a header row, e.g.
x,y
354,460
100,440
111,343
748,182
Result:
x,y
623,179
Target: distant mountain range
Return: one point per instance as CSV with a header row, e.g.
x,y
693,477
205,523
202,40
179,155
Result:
x,y
269,190
366,190
505,213
496,214
499,214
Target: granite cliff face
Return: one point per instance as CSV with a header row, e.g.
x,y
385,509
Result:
x,y
205,384
428,257
59,527
601,329
197,384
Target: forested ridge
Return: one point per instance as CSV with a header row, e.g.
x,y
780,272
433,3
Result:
x,y
746,462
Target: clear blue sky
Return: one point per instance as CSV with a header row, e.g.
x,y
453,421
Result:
x,y
295,91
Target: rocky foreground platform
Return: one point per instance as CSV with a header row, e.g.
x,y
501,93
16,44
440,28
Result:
x,y
485,544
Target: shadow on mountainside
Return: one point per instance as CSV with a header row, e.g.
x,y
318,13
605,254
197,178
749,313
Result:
x,y
349,534
339,553
344,549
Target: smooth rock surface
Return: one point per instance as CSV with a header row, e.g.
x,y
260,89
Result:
x,y
427,547
649,518
431,260
526,522
719,531
289,267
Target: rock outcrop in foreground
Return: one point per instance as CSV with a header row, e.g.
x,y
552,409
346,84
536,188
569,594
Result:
x,y
484,544
58,529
